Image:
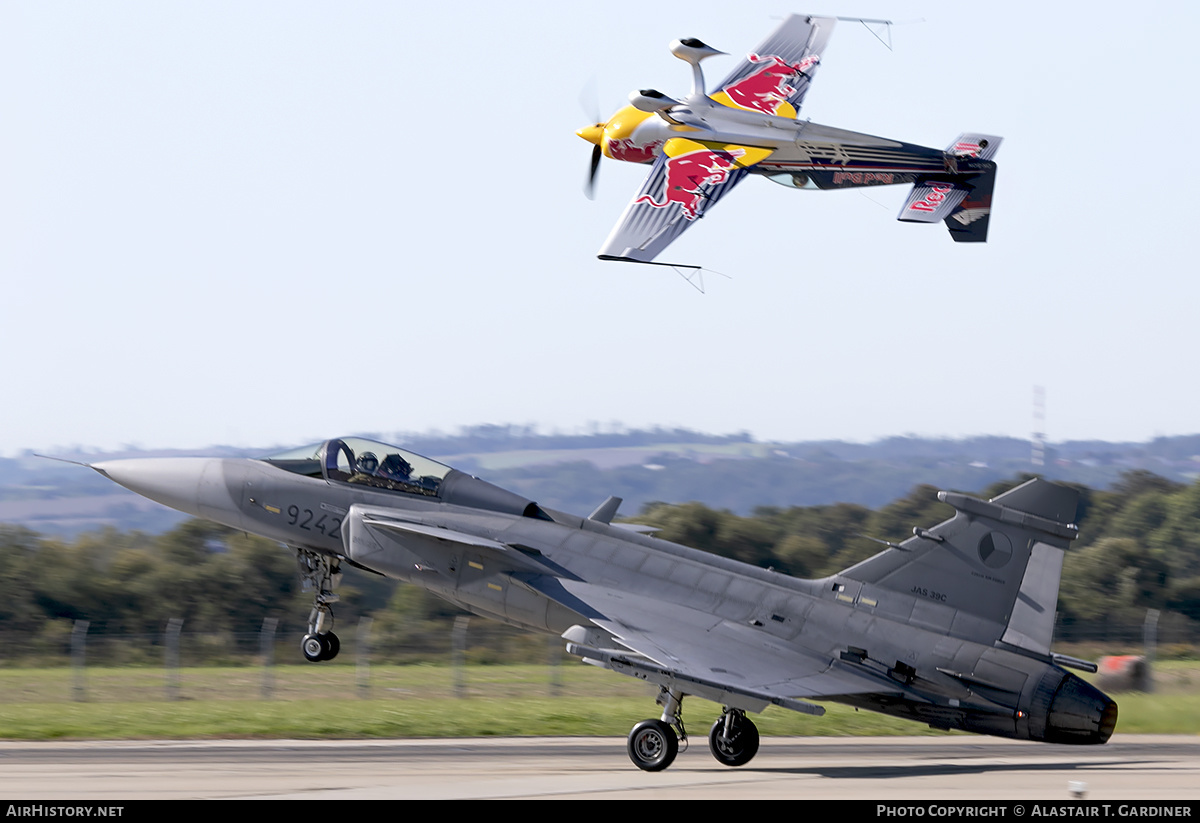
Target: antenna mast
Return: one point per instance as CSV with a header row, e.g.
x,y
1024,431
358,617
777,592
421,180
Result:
x,y
1038,454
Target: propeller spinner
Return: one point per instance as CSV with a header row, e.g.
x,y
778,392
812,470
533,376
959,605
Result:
x,y
620,138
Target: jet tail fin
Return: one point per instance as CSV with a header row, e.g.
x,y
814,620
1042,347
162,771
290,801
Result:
x,y
997,560
962,197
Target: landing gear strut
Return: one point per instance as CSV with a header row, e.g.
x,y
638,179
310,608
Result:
x,y
653,744
320,573
733,739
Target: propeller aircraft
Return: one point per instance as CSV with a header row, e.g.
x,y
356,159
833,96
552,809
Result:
x,y
952,627
699,148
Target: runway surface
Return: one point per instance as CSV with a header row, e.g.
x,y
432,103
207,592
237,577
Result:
x,y
925,768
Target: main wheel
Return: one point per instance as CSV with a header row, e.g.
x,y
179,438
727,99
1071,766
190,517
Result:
x,y
314,648
737,749
653,745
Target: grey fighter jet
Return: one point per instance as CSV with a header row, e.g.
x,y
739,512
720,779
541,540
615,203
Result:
x,y
951,628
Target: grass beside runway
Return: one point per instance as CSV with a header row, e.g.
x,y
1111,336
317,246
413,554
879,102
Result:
x,y
441,717
329,701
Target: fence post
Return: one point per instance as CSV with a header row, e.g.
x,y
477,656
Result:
x,y
78,658
458,640
1150,645
554,661
362,657
266,648
171,657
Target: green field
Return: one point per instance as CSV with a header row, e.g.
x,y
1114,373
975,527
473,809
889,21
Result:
x,y
330,701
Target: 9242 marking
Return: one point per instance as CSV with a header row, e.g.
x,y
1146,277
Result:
x,y
303,518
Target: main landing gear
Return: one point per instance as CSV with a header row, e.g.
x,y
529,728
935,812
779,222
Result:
x,y
733,739
653,744
320,573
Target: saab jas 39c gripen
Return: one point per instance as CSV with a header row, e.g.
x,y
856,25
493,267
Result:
x,y
702,146
951,628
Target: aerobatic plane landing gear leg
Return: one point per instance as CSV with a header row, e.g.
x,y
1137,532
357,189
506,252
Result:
x,y
653,744
733,739
319,573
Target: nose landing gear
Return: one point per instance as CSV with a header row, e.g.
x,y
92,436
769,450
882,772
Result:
x,y
318,647
320,573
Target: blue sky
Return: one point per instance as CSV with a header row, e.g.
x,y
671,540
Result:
x,y
275,222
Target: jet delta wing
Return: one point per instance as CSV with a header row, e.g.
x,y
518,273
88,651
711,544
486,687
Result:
x,y
697,645
952,628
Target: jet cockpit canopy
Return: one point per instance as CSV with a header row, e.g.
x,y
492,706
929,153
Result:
x,y
370,464
365,462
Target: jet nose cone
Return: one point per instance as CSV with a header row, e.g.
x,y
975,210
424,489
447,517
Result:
x,y
199,486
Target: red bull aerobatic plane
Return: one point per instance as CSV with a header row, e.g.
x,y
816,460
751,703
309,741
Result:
x,y
704,145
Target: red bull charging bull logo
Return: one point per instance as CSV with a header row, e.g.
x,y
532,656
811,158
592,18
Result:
x,y
767,88
629,151
688,174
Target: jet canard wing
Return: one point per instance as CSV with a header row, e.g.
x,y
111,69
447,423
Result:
x,y
775,77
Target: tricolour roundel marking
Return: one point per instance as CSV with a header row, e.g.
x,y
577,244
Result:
x,y
995,549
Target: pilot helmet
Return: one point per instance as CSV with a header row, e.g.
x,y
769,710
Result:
x,y
368,463
395,467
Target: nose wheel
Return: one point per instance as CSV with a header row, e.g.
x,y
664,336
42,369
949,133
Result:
x,y
318,647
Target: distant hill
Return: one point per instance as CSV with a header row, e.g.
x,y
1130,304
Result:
x,y
576,472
